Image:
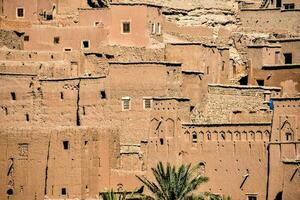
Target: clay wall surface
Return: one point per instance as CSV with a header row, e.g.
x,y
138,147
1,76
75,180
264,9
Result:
x,y
238,104
18,100
36,163
139,25
291,179
30,9
265,20
197,57
284,148
284,76
41,37
289,46
151,80
231,152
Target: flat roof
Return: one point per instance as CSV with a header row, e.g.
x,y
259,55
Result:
x,y
281,66
192,43
263,45
175,64
244,86
192,72
286,99
72,78
16,74
171,98
124,4
284,39
227,124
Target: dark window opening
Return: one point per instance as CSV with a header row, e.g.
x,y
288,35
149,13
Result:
x,y
103,94
252,197
13,96
223,65
244,80
56,40
161,141
83,110
277,55
207,70
194,138
86,142
61,95
223,136
260,82
278,3
85,44
67,49
26,38
147,103
49,17
27,117
126,27
192,108
66,145
10,192
126,104
234,70
290,6
20,12
278,196
63,191
288,58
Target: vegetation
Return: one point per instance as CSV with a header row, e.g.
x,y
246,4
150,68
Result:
x,y
174,184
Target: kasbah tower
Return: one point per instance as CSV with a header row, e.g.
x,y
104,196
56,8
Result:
x,y
95,92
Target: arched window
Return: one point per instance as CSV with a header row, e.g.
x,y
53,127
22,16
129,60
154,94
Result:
x,y
208,135
237,136
194,137
251,136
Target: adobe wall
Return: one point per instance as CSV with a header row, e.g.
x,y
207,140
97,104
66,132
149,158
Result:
x,y
229,153
270,20
228,103
197,57
284,148
291,45
30,9
37,163
41,37
284,76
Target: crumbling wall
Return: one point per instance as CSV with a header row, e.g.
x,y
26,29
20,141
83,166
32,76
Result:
x,y
11,40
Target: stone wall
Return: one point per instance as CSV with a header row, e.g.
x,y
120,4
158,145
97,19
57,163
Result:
x,y
227,103
11,40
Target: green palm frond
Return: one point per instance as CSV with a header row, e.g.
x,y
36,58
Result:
x,y
173,183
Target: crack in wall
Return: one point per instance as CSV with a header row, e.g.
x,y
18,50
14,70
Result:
x,y
46,170
77,105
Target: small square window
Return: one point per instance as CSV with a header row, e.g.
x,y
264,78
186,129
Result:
x,y
26,38
147,103
13,96
103,94
56,40
260,82
289,6
85,44
288,58
96,24
63,191
153,28
20,12
126,27
125,103
252,197
66,145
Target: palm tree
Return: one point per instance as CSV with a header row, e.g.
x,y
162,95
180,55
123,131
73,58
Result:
x,y
111,195
172,183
